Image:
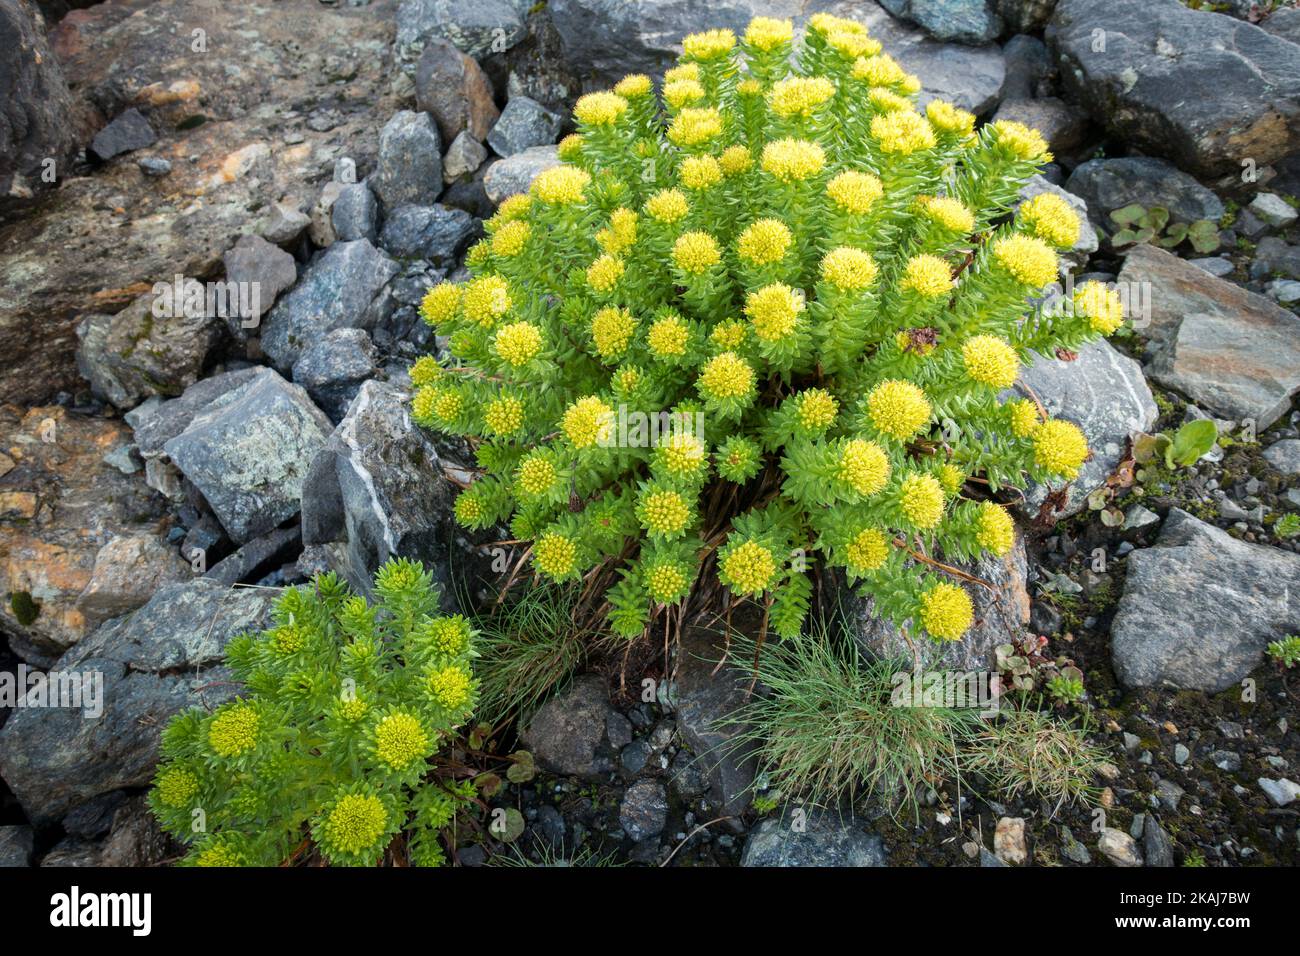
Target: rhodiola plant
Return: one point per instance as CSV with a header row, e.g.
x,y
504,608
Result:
x,y
817,288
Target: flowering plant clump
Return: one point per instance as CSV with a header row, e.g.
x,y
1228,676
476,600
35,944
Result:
x,y
346,703
816,288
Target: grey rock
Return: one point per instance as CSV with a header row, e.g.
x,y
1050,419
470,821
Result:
x,y
409,169
128,131
155,422
16,844
255,559
1181,754
1028,65
635,756
339,289
958,21
703,703
455,91
644,810
1284,291
1138,517
1216,266
513,175
334,368
1231,351
1273,210
1001,616
266,269
618,730
1202,89
1104,393
154,663
685,777
37,116
72,852
476,27
1284,455
128,569
524,123
136,838
1280,792
146,349
355,214
1226,760
813,838
378,487
1199,607
1025,16
1118,847
990,860
437,233
1157,847
249,453
464,156
567,734
284,224
1284,22
321,229
154,166
1110,184
1073,850
1169,794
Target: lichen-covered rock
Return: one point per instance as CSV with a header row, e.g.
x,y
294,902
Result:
x,y
813,838
146,349
159,660
249,453
476,27
339,289
410,161
333,369
377,486
1199,607
1202,89
959,21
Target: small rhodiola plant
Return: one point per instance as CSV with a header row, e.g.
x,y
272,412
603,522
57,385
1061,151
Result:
x,y
346,702
759,320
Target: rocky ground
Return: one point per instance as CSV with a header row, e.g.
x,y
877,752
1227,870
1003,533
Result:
x,y
341,157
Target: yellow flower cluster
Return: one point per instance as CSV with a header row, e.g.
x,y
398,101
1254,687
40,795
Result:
x,y
177,787
946,611
902,133
509,240
990,361
668,337
749,568
699,172
696,252
996,531
561,185
764,242
1024,418
1023,142
735,160
683,454
952,214
234,730
927,276
767,33
708,45
536,476
1030,260
947,118
921,498
793,160
665,512
693,127
1102,306
634,85
440,303
451,687
400,741
800,95
604,273
863,466
555,555
1051,219
599,109
849,269
898,408
667,206
620,235
1059,447
665,582
726,375
681,93
817,409
356,823
588,421
774,311
611,331
486,299
854,192
517,343
867,551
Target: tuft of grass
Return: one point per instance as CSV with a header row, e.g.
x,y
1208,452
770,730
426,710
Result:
x,y
828,731
527,650
1030,751
547,857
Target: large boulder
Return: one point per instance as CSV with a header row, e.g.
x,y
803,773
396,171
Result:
x,y
1199,607
1205,90
340,289
38,135
249,453
1231,351
160,660
1104,393
68,518
377,487
1001,615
